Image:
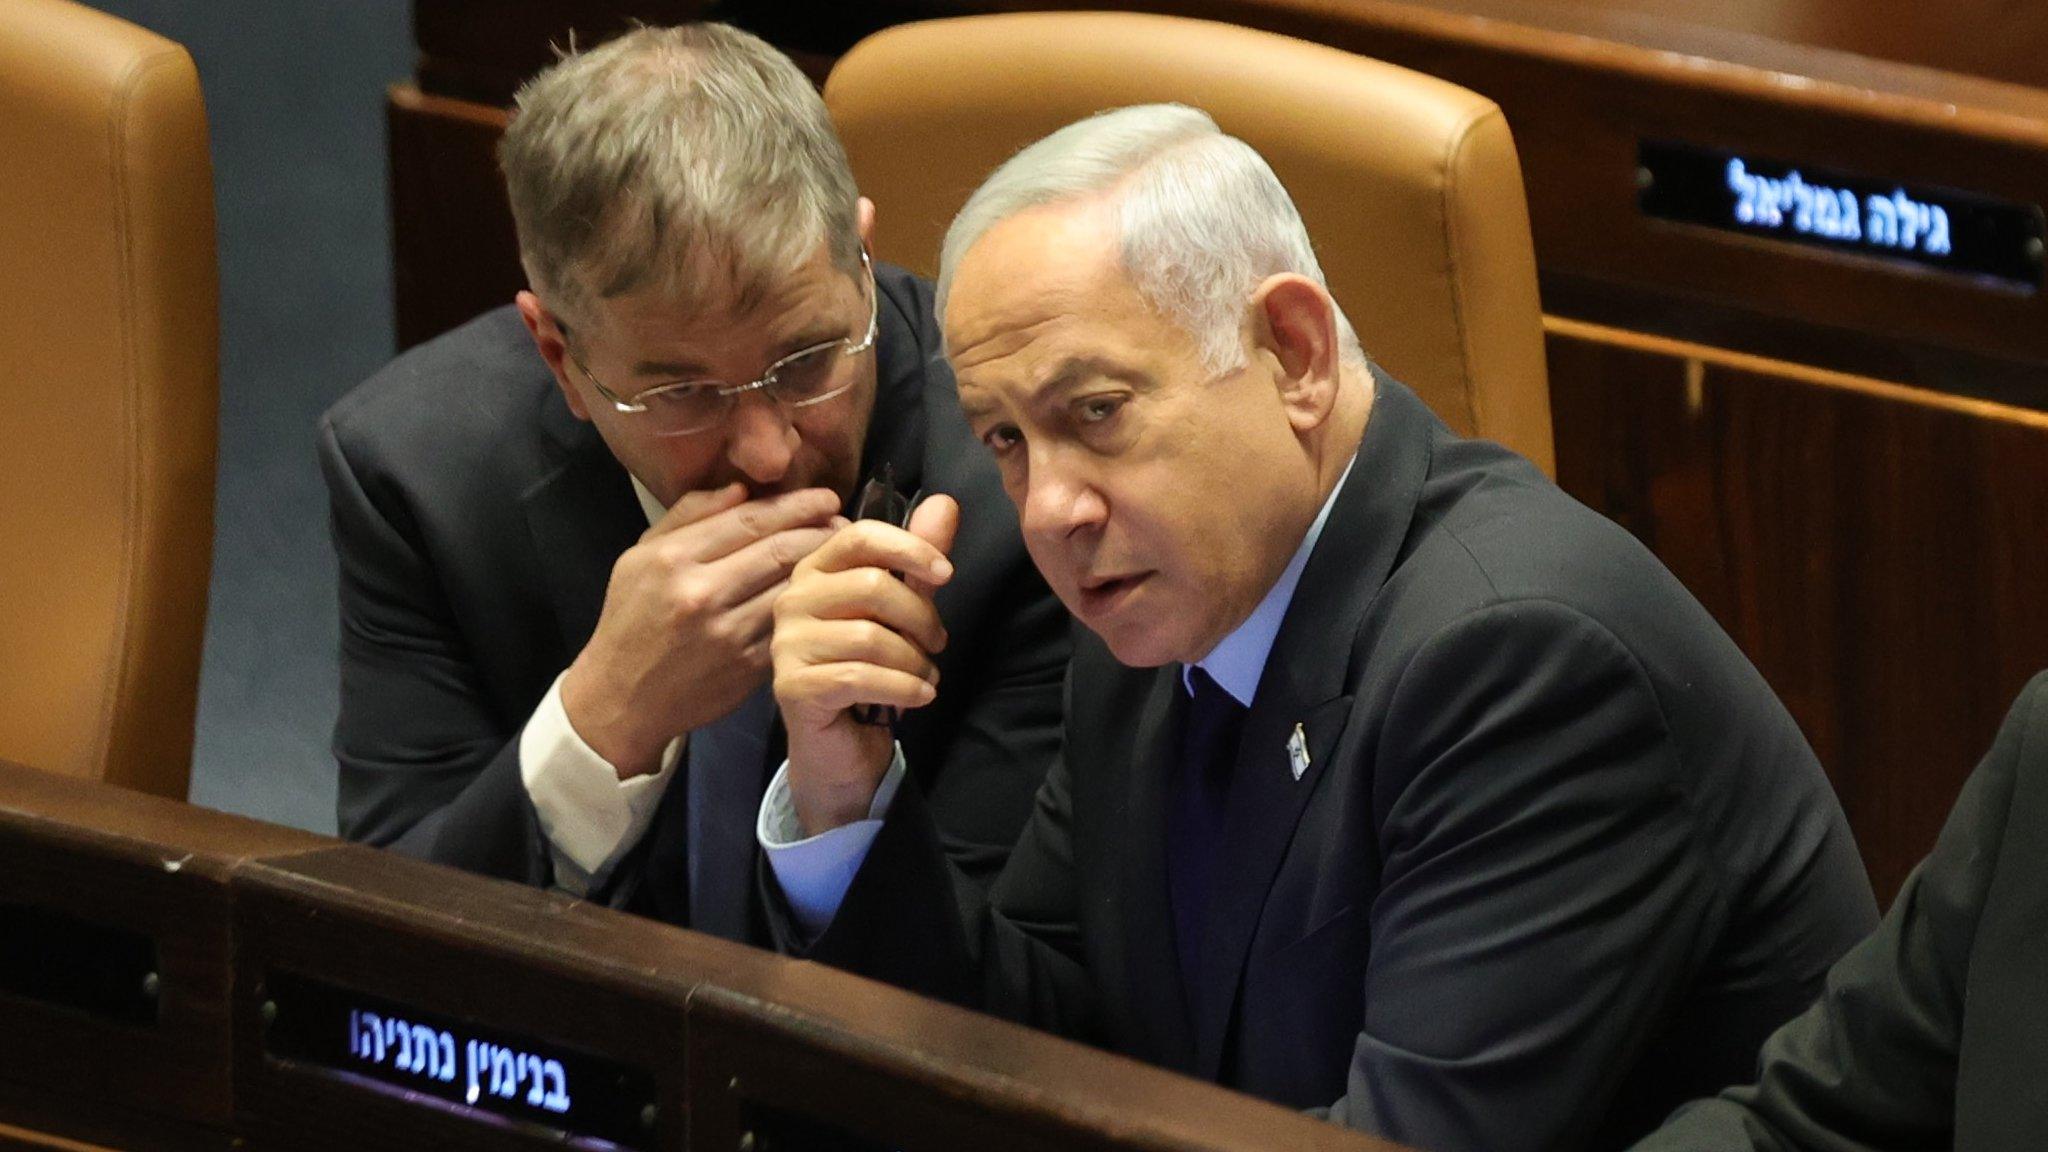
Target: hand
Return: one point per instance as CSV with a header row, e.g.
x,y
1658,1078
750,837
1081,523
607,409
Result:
x,y
683,637
848,631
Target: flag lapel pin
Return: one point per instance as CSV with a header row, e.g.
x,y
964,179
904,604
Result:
x,y
1297,752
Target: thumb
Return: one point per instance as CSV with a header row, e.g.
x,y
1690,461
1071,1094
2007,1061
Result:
x,y
936,521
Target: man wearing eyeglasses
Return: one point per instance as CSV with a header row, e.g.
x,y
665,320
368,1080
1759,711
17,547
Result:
x,y
561,528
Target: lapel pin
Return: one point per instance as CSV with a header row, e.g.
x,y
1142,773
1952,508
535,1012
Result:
x,y
1297,752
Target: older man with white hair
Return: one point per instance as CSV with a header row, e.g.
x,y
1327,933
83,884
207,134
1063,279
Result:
x,y
562,527
1395,784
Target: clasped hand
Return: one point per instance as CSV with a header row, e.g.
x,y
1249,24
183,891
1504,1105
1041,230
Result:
x,y
683,637
849,631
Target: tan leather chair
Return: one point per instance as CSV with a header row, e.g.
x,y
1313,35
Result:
x,y
1410,186
108,390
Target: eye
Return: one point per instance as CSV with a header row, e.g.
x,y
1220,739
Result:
x,y
1002,438
808,372
1096,409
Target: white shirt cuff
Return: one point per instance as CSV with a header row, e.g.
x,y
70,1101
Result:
x,y
590,817
815,872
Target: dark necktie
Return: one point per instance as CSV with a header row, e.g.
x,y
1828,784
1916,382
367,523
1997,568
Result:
x,y
1196,812
725,771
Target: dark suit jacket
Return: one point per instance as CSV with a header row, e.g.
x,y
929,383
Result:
x,y
1933,1033
1560,859
476,523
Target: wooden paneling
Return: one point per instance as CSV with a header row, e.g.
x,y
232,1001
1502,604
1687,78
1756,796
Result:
x,y
493,955
816,1046
1582,85
1582,88
452,245
123,860
1877,551
21,1140
484,49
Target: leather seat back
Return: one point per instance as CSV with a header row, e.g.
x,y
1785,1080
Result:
x,y
1410,186
108,395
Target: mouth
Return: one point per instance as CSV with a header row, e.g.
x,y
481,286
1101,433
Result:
x,y
1101,594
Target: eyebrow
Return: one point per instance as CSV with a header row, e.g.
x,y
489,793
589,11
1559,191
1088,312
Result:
x,y
681,370
1065,376
975,409
670,369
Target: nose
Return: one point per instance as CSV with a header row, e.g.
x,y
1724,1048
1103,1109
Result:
x,y
760,441
1059,500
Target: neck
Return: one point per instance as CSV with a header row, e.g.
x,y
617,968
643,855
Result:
x,y
1339,436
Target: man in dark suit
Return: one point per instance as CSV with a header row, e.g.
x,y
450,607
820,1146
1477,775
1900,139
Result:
x,y
1933,1033
1395,784
561,526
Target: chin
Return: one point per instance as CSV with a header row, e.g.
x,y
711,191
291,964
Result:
x,y
1138,645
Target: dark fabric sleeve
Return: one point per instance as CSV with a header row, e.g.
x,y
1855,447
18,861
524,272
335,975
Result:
x,y
917,922
1871,1067
914,919
1542,896
979,783
427,766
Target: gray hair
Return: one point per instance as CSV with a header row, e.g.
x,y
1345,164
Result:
x,y
1201,219
670,155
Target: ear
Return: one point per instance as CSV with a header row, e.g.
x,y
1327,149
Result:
x,y
864,219
549,341
1295,324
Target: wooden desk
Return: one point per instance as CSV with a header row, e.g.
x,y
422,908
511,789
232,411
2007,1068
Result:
x,y
268,938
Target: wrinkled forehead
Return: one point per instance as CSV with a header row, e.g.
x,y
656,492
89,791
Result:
x,y
713,308
1033,306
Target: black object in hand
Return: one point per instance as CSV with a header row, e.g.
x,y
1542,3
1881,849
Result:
x,y
879,500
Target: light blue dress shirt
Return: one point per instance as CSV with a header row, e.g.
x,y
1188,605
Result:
x,y
816,871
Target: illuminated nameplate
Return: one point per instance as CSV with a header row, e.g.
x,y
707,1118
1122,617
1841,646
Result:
x,y
59,960
436,1061
1992,241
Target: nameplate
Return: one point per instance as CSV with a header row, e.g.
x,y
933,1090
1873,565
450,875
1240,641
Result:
x,y
1995,243
55,959
437,1061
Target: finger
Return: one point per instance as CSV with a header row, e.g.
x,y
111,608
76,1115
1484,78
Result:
x,y
874,544
761,564
864,594
753,621
833,687
851,641
730,529
937,522
692,507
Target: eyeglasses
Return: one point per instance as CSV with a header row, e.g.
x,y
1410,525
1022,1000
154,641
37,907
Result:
x,y
805,377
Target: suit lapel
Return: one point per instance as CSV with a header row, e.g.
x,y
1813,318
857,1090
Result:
x,y
1306,682
582,515
2001,1100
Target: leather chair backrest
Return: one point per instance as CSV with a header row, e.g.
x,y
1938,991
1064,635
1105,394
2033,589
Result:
x,y
1410,186
109,358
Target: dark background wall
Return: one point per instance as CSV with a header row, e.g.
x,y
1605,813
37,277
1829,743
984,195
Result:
x,y
294,92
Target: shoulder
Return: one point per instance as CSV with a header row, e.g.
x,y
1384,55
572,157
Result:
x,y
2016,767
1513,597
468,399
2030,713
1497,547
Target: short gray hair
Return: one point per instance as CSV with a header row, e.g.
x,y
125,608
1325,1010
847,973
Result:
x,y
671,154
1201,219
